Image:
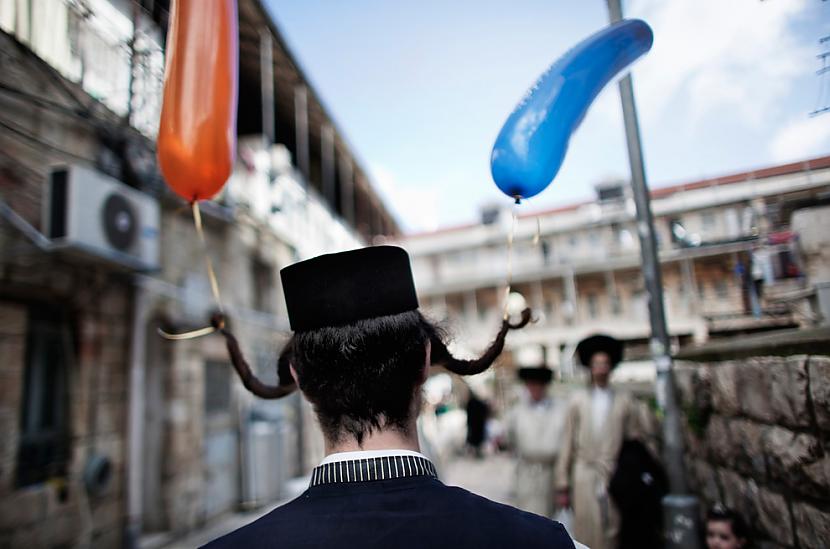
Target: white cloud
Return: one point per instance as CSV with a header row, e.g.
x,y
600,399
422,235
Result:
x,y
416,208
802,138
709,54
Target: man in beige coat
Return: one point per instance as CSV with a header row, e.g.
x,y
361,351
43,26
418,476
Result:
x,y
596,423
534,430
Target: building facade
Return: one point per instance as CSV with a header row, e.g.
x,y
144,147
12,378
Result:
x,y
112,435
731,263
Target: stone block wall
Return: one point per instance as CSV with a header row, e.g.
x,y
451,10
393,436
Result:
x,y
97,303
757,435
57,512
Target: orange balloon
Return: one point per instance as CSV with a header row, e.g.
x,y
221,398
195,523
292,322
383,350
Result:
x,y
197,133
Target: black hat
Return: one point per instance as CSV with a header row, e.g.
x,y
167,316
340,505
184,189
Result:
x,y
539,373
596,343
342,288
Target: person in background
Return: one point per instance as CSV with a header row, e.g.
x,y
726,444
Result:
x,y
597,422
725,529
534,431
477,413
637,488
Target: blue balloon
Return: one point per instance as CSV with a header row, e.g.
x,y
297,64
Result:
x,y
531,145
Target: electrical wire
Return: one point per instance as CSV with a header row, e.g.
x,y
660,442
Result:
x,y
510,238
45,103
822,101
36,141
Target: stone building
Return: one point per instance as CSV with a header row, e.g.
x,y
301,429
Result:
x,y
731,264
111,434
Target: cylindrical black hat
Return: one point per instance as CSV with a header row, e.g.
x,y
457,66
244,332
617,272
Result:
x,y
342,288
586,348
539,373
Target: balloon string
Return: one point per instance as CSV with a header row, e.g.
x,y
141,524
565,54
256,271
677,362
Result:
x,y
186,335
509,264
538,234
214,284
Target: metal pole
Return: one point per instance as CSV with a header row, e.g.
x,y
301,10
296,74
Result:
x,y
135,434
301,124
680,510
328,164
266,82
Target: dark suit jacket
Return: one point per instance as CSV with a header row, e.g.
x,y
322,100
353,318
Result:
x,y
415,512
638,486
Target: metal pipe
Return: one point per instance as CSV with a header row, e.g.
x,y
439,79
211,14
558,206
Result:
x,y
301,124
328,170
347,191
680,511
25,227
266,82
135,463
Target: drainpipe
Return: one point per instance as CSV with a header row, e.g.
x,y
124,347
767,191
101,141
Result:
x,y
135,462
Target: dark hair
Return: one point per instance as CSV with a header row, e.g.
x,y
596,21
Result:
x,y
363,376
719,513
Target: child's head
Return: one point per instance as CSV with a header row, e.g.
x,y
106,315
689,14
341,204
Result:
x,y
725,529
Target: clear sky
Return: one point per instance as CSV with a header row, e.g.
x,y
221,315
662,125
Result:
x,y
420,88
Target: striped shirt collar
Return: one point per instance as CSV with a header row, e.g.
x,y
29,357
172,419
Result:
x,y
370,466
366,454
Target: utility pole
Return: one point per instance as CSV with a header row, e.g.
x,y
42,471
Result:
x,y
680,510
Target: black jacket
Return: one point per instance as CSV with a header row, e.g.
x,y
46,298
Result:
x,y
638,487
414,512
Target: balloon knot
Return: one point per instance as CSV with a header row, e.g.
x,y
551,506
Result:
x,y
518,199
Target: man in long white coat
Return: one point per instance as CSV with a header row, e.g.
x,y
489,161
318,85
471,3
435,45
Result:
x,y
534,429
597,422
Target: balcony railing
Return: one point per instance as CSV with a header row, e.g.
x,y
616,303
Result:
x,y
116,57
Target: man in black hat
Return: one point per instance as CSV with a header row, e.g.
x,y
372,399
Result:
x,y
597,422
534,429
360,353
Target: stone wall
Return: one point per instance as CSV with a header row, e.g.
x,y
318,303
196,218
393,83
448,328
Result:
x,y
757,434
58,512
97,302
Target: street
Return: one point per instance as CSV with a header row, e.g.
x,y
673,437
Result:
x,y
491,477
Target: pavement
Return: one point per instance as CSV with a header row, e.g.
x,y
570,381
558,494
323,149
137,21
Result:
x,y
491,477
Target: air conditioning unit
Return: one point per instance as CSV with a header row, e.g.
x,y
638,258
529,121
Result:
x,y
98,216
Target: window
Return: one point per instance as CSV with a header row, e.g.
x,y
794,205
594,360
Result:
x,y
721,289
44,429
435,267
611,193
593,305
262,279
549,304
707,220
625,239
616,305
546,249
217,387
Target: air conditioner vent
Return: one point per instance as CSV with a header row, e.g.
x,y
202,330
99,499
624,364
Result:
x,y
95,215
